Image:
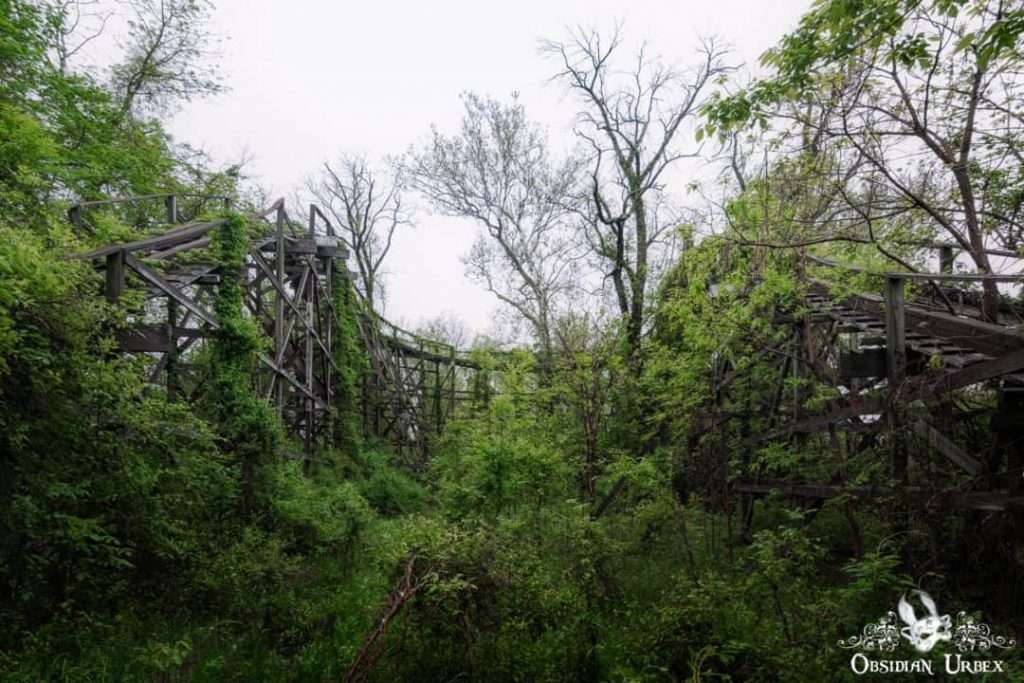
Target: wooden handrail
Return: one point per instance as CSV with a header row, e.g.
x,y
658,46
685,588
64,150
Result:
x,y
937,277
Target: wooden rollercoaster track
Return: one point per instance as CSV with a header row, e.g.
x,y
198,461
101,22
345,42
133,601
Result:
x,y
896,363
413,386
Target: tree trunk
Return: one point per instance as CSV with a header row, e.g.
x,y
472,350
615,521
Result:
x,y
635,323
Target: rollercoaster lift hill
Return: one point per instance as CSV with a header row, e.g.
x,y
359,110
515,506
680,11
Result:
x,y
289,272
897,363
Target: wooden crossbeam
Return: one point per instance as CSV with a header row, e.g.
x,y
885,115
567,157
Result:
x,y
201,243
944,445
972,500
920,388
171,238
150,276
272,278
153,338
281,372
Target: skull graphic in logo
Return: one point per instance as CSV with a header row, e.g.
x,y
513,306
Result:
x,y
926,632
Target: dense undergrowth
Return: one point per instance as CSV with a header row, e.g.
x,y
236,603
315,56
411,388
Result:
x,y
574,523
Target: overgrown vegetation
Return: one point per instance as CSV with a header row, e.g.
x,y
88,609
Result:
x,y
577,521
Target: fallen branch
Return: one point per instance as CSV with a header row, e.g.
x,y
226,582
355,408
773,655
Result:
x,y
373,644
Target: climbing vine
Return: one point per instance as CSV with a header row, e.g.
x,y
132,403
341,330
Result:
x,y
350,358
247,425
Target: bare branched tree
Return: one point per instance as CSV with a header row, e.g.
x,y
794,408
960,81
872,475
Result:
x,y
447,329
939,134
369,207
167,56
631,122
70,26
498,171
920,126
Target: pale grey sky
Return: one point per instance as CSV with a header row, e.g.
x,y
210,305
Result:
x,y
309,79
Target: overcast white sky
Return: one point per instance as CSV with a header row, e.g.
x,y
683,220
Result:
x,y
309,79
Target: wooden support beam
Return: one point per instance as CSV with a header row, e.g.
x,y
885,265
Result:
x,y
919,388
310,333
940,442
307,273
115,276
153,338
171,203
172,348
287,376
279,338
895,331
983,337
946,258
150,276
979,372
200,243
896,367
186,233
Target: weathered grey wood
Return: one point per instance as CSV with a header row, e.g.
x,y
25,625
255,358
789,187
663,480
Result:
x,y
287,376
895,331
310,333
153,338
944,445
946,258
152,278
75,215
287,299
186,233
115,276
303,247
302,274
171,203
279,339
984,337
919,388
923,277
200,243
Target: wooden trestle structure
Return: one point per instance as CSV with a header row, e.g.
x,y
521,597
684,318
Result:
x,y
899,365
904,369
414,384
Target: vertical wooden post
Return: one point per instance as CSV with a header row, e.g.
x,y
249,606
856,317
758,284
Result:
x,y
438,410
172,348
896,366
171,202
452,385
310,407
946,259
895,330
279,340
75,214
115,276
329,316
378,399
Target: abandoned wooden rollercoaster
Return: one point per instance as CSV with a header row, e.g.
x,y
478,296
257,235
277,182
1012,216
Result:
x,y
899,364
